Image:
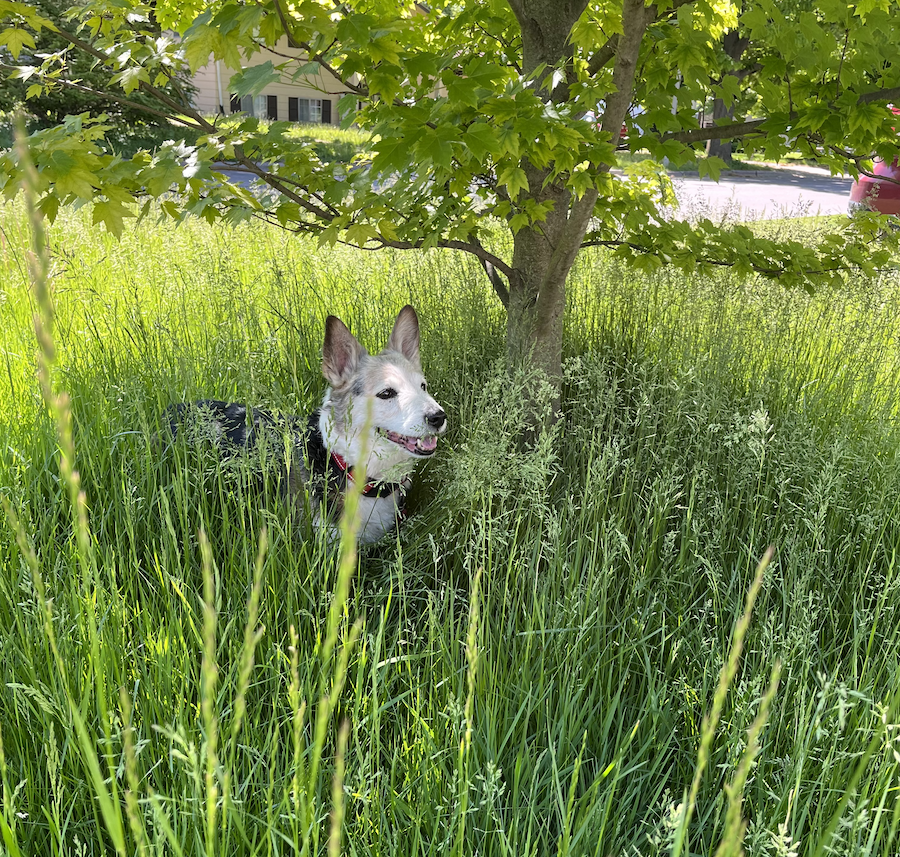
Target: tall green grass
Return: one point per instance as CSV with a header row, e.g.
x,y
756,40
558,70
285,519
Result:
x,y
534,665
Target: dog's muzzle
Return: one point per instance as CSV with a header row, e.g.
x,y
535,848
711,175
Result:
x,y
423,446
426,444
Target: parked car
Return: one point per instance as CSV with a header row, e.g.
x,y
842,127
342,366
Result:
x,y
878,192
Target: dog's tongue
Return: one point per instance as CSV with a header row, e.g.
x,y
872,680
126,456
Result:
x,y
414,444
427,444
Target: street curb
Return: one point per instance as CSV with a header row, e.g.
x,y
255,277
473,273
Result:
x,y
736,174
770,170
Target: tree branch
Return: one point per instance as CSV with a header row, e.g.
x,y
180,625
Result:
x,y
490,182
880,95
738,73
274,181
878,178
742,129
362,91
474,248
837,88
716,132
184,108
84,46
499,287
850,156
303,228
635,19
292,42
507,46
705,260
107,96
603,55
268,48
606,52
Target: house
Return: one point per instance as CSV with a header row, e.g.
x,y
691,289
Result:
x,y
314,98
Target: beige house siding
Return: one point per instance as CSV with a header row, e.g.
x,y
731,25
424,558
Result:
x,y
214,95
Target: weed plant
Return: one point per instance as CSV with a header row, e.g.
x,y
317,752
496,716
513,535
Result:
x,y
558,653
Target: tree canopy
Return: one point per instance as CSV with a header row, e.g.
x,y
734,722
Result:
x,y
87,81
488,116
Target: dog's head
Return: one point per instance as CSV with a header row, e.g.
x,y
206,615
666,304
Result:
x,y
385,393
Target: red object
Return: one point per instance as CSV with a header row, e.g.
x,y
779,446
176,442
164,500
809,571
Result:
x,y
370,487
876,193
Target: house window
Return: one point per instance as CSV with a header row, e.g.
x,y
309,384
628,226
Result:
x,y
261,105
312,107
312,110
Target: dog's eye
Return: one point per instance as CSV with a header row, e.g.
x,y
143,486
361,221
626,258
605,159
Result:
x,y
387,393
424,386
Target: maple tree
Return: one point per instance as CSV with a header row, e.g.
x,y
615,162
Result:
x,y
87,80
487,117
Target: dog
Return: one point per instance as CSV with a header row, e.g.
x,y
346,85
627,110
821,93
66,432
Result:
x,y
376,417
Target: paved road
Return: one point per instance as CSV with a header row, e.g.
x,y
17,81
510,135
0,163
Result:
x,y
763,194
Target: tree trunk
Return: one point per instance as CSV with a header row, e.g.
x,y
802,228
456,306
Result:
x,y
720,148
537,299
534,328
734,46
541,258
543,253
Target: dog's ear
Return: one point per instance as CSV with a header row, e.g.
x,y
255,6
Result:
x,y
405,335
341,352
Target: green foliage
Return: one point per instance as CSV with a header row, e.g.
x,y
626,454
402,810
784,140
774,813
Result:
x,y
45,94
555,707
467,122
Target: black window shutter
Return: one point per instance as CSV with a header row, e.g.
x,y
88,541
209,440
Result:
x,y
272,107
326,111
235,103
293,110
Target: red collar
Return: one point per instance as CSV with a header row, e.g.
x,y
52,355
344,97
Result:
x,y
372,488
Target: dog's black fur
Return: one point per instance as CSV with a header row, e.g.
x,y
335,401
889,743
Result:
x,y
232,426
233,423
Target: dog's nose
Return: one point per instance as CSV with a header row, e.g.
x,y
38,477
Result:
x,y
436,420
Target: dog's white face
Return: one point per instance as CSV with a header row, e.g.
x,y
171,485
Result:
x,y
379,403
